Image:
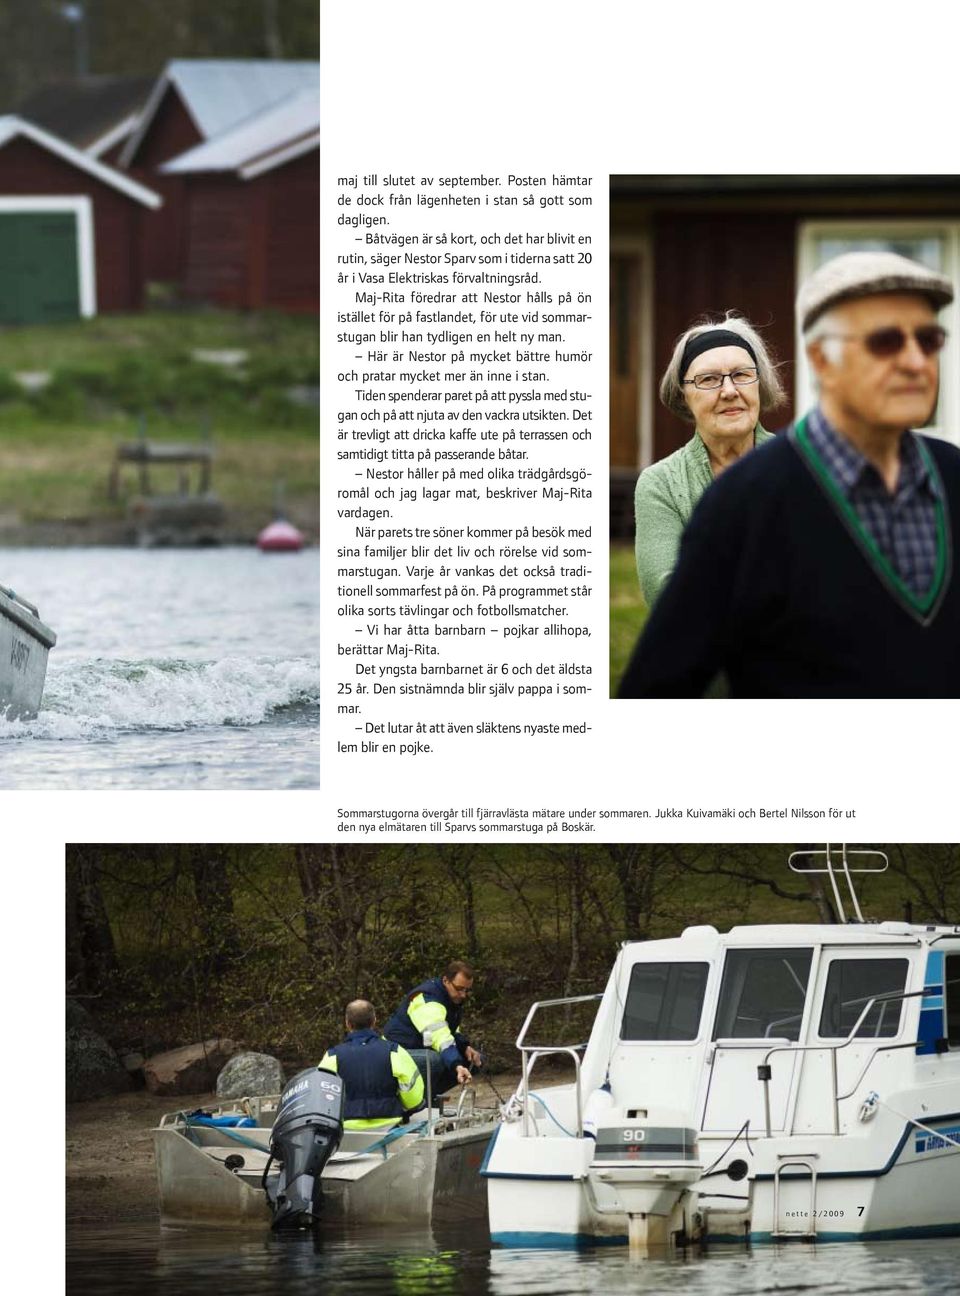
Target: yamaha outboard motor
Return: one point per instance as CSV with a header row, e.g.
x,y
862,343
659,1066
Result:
x,y
306,1133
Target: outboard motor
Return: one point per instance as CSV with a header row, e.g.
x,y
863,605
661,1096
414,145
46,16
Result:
x,y
306,1133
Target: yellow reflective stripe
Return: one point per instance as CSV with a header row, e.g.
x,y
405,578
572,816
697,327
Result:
x,y
408,1077
373,1122
431,1016
413,1099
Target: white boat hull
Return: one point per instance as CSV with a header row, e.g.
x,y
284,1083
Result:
x,y
910,1189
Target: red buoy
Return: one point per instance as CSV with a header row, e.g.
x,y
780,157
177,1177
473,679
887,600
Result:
x,y
280,536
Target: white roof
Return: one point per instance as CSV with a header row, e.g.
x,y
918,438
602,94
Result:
x,y
255,142
113,136
11,127
777,935
219,93
821,934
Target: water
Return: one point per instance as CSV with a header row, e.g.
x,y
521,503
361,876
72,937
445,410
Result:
x,y
173,668
148,1260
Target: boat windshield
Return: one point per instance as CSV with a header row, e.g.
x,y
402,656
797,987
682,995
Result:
x,y
763,994
851,984
664,1001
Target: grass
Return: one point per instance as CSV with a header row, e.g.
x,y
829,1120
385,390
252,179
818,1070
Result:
x,y
57,445
628,611
102,339
61,474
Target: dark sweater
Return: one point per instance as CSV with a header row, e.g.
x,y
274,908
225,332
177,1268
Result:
x,y
774,588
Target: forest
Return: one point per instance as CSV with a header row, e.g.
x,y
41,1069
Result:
x,y
264,944
48,40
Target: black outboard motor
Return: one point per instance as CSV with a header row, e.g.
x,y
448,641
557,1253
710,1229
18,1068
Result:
x,y
306,1133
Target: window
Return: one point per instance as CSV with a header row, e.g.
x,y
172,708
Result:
x,y
851,984
664,1001
951,987
763,994
934,243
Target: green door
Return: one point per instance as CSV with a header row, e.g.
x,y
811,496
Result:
x,y
39,275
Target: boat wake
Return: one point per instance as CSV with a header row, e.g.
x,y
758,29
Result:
x,y
98,698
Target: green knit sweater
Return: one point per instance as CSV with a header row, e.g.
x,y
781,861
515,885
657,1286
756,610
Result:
x,y
666,495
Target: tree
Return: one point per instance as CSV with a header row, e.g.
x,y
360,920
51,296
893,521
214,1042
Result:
x,y
645,873
38,41
932,875
211,885
462,865
91,954
339,885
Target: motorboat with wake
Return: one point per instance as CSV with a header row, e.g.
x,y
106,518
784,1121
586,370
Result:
x,y
775,1082
25,644
287,1161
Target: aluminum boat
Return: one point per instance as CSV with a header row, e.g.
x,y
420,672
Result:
x,y
25,644
421,1173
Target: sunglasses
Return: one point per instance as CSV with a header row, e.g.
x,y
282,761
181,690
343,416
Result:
x,y
886,342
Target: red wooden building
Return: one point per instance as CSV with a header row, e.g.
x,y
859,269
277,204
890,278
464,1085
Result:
x,y
70,229
251,235
195,101
681,246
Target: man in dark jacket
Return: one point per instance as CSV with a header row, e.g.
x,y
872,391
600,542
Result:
x,y
381,1080
823,564
427,1024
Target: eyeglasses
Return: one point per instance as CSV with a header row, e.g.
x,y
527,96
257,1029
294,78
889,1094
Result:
x,y
461,989
887,342
711,381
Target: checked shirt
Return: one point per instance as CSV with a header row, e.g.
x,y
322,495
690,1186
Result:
x,y
903,525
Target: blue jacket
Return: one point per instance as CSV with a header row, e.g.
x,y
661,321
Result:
x,y
363,1060
441,1012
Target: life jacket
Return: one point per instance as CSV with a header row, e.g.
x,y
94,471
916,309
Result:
x,y
363,1061
401,1030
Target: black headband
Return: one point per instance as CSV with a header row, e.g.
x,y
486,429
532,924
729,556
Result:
x,y
707,341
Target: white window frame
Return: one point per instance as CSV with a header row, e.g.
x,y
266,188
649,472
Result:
x,y
948,427
859,954
81,207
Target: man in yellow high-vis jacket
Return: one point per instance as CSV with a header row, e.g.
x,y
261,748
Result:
x,y
381,1081
427,1024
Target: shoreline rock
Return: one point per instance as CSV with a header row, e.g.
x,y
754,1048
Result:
x,y
188,1070
248,1075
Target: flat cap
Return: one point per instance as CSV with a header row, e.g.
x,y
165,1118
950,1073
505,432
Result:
x,y
865,274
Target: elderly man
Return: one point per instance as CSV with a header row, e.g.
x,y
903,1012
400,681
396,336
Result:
x,y
822,565
381,1082
427,1024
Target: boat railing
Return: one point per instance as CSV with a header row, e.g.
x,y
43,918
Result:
x,y
764,1071
531,1053
842,869
18,598
26,615
464,1113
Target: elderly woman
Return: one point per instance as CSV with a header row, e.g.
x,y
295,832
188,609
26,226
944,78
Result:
x,y
721,378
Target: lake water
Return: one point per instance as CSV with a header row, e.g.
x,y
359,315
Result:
x,y
173,669
148,1260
